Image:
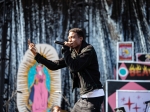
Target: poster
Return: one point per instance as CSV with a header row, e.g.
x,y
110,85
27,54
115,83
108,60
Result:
x,y
132,100
131,95
125,51
142,57
133,71
38,85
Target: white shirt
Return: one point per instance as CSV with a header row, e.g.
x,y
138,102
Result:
x,y
94,93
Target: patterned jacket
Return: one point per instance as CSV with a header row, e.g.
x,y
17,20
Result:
x,y
83,67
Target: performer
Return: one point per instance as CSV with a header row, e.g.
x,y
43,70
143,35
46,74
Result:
x,y
81,59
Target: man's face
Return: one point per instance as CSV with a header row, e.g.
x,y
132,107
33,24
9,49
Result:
x,y
74,39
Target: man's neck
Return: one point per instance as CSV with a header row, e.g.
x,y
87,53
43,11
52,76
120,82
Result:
x,y
77,49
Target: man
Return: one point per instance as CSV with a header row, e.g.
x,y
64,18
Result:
x,y
81,59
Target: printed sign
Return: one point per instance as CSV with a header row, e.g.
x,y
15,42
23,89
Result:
x,y
132,100
132,95
133,71
142,57
125,51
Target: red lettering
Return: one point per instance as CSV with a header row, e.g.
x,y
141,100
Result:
x,y
132,73
138,72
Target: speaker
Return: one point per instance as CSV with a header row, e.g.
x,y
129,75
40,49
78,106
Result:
x,y
120,109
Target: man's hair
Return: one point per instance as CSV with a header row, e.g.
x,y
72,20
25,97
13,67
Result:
x,y
79,32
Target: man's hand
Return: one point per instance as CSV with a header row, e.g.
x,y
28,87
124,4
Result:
x,y
32,48
69,44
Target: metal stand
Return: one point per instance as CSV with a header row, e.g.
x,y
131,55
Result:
x,y
65,100
7,102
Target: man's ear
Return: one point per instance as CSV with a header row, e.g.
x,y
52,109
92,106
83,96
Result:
x,y
81,38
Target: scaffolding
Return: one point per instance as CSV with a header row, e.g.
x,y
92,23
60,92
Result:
x,y
5,43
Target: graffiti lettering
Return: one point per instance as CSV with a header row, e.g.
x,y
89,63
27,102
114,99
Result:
x,y
139,70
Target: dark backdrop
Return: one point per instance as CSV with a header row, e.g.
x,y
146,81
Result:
x,y
106,22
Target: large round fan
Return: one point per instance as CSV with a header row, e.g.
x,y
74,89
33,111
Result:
x,y
37,83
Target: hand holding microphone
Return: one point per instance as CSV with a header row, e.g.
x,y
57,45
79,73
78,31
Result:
x,y
69,44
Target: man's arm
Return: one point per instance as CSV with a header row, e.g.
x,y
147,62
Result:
x,y
52,65
81,61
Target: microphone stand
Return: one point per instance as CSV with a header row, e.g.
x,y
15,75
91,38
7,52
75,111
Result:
x,y
7,102
66,101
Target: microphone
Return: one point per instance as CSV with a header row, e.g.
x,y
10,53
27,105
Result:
x,y
59,42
